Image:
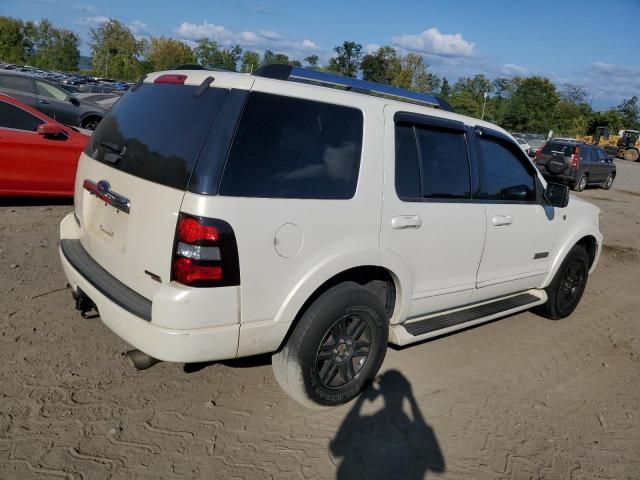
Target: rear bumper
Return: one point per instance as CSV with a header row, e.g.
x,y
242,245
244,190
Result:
x,y
569,178
114,303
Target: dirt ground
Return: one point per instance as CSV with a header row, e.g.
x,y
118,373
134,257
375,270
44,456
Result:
x,y
518,398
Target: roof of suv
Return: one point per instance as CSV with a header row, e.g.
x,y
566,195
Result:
x,y
246,81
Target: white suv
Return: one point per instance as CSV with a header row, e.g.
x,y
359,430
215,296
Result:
x,y
220,215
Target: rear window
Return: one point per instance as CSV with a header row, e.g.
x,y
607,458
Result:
x,y
555,148
293,148
156,131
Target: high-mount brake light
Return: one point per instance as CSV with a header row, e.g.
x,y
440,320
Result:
x,y
174,78
205,253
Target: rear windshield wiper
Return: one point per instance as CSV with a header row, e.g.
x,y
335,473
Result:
x,y
118,151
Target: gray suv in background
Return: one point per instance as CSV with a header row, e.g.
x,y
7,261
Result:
x,y
576,164
51,100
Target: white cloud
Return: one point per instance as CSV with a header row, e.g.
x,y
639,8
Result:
x,y
261,40
270,35
433,42
94,21
511,70
192,31
371,47
309,44
138,27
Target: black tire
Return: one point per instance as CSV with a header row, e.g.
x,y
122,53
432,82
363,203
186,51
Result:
x,y
608,183
320,365
581,183
91,123
566,289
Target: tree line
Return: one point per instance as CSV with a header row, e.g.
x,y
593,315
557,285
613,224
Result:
x,y
522,103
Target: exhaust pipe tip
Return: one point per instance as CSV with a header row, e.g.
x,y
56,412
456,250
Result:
x,y
141,360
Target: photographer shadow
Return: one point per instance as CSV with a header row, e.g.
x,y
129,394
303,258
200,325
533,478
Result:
x,y
387,444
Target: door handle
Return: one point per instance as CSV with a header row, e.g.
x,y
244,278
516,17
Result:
x,y
406,221
498,220
44,102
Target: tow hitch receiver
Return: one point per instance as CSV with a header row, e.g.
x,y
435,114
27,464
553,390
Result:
x,y
85,305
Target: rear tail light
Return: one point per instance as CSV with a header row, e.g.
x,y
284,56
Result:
x,y
575,159
538,153
205,253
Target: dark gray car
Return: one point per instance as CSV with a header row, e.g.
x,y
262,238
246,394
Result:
x,y
576,164
51,100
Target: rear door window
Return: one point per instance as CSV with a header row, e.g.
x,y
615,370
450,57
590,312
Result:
x,y
431,163
16,118
288,147
19,84
156,131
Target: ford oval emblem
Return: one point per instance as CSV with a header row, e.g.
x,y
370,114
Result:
x,y
103,187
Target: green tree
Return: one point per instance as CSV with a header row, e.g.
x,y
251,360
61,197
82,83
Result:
x,y
53,48
630,113
210,54
445,88
250,61
14,44
610,119
468,95
312,61
532,106
575,94
381,66
281,58
115,52
167,53
347,61
413,75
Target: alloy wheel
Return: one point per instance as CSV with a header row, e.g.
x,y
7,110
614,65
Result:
x,y
343,351
571,284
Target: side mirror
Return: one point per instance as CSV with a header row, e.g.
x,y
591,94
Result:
x,y
74,100
49,130
557,194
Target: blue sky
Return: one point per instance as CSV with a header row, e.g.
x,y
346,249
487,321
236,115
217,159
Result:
x,y
567,41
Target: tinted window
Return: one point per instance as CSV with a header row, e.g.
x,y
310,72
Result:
x,y
503,175
46,90
602,155
444,163
14,117
19,84
431,164
291,148
407,164
156,131
557,148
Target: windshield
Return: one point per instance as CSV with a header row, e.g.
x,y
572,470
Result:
x,y
556,148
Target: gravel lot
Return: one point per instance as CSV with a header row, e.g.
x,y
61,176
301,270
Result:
x,y
518,398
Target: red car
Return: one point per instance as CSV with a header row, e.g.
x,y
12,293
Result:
x,y
38,156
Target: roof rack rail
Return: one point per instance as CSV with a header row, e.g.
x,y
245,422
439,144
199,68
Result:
x,y
306,75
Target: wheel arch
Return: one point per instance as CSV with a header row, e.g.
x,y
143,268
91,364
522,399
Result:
x,y
391,283
591,242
